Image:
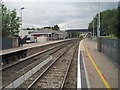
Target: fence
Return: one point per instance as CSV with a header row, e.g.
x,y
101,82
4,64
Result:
x,y
8,43
110,47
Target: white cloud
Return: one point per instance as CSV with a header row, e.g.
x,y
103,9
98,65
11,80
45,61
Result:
x,y
65,14
61,0
75,23
31,25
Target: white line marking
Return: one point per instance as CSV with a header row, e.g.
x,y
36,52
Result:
x,y
86,74
78,72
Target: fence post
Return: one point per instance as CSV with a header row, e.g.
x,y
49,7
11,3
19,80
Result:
x,y
118,51
99,44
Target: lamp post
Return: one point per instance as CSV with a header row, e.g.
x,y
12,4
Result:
x,y
51,34
98,26
93,30
21,16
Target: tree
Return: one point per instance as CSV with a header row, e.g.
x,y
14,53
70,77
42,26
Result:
x,y
0,20
118,30
32,28
38,28
74,35
47,27
108,24
56,27
90,27
10,22
28,28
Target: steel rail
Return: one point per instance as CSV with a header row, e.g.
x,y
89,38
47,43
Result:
x,y
62,85
33,83
37,60
31,56
58,46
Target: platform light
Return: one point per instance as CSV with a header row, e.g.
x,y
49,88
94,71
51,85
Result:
x,y
21,16
98,26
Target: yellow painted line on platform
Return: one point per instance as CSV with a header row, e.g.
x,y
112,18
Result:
x,y
98,70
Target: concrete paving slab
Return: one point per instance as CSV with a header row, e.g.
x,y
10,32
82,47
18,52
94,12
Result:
x,y
108,69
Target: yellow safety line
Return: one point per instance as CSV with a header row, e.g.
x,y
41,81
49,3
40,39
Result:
x,y
99,72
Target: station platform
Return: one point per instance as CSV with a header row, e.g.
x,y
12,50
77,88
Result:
x,y
28,46
100,71
25,46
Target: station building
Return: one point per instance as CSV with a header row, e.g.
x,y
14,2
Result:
x,y
49,34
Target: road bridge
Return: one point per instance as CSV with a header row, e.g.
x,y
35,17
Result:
x,y
77,30
83,32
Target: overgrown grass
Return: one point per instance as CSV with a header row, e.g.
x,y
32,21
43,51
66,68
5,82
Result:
x,y
111,36
81,37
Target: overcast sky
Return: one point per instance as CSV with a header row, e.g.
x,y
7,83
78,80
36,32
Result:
x,y
67,15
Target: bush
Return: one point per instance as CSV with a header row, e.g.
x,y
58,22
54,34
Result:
x,y
111,36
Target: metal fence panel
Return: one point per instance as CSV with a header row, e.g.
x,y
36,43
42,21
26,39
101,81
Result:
x,y
114,50
106,46
0,43
111,48
6,43
118,59
102,45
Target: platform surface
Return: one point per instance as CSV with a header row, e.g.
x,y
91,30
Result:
x,y
27,46
104,73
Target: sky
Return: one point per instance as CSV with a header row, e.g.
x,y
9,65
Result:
x,y
67,15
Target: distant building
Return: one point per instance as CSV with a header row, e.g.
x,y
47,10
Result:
x,y
50,34
24,33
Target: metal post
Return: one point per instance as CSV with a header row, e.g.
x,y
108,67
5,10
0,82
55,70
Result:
x,y
21,27
93,30
64,34
21,19
21,16
51,33
98,26
1,61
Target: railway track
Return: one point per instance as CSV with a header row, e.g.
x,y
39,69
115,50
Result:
x,y
71,80
12,72
55,74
